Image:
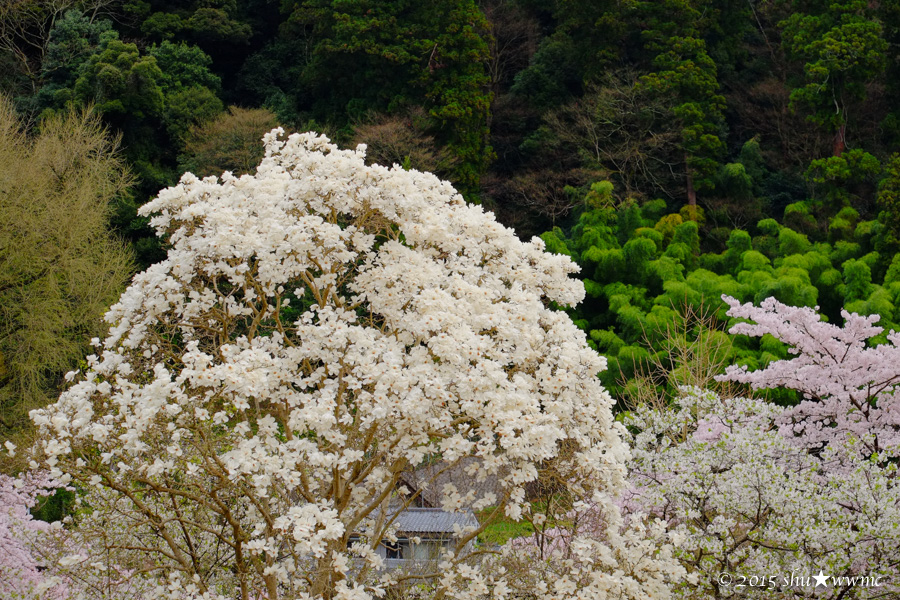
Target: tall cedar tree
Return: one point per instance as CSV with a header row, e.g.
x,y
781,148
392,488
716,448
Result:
x,y
684,72
842,45
389,55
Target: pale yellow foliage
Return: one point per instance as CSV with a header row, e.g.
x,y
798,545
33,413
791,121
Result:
x,y
232,141
60,268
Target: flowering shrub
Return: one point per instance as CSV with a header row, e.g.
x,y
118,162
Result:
x,y
317,329
750,502
65,560
758,490
592,552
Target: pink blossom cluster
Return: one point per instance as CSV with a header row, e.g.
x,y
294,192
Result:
x,y
23,572
63,560
849,387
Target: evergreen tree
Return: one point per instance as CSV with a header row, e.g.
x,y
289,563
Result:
x,y
685,75
390,55
842,46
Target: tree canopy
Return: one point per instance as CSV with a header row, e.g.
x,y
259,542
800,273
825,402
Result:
x,y
60,266
317,329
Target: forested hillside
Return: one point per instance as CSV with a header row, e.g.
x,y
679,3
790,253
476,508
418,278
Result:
x,y
677,150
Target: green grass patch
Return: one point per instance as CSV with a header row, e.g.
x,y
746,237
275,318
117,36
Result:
x,y
502,529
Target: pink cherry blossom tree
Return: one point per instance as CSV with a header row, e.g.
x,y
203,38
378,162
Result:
x,y
21,566
69,560
849,387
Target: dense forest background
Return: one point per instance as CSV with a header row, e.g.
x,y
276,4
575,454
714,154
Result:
x,y
676,149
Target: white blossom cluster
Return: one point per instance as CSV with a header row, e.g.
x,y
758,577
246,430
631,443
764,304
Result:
x,y
592,552
749,501
316,330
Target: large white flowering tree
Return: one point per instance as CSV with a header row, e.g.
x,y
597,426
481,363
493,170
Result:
x,y
316,330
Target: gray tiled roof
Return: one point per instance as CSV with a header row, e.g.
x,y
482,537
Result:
x,y
430,479
432,520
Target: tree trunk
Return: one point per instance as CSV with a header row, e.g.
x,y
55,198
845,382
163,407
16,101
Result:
x,y
689,182
839,140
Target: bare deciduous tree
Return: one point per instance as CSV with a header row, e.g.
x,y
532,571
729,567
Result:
x,y
228,142
25,27
616,127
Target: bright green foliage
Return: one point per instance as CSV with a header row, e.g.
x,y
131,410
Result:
x,y
502,529
389,55
893,272
844,251
842,46
837,176
798,217
738,242
735,182
857,280
555,242
754,164
791,242
600,195
788,285
754,262
889,201
637,254
688,234
638,285
843,225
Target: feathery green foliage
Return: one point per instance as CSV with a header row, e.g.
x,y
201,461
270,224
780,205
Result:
x,y
59,266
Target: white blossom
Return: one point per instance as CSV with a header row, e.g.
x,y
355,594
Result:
x,y
317,329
